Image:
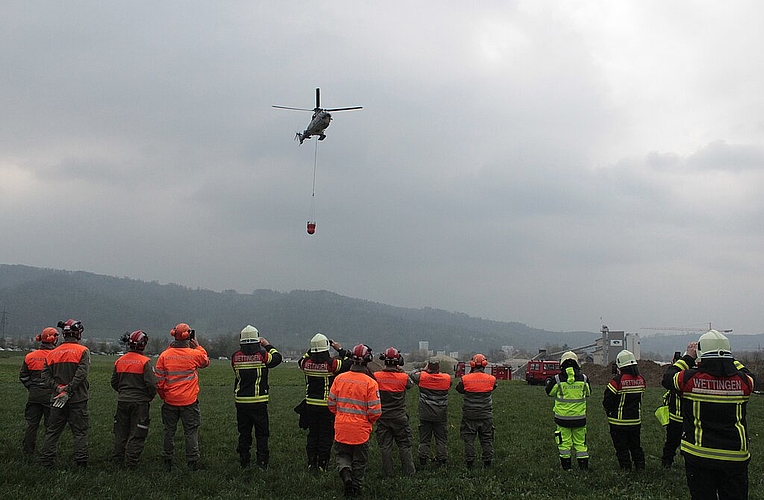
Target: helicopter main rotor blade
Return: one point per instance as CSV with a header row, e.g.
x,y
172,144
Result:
x,y
296,109
318,98
344,109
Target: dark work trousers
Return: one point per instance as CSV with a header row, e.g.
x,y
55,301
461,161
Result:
x,y
628,449
131,426
78,418
730,483
191,417
320,435
34,413
249,415
482,429
673,439
392,431
353,457
427,429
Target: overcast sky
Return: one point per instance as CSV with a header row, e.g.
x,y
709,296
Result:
x,y
551,163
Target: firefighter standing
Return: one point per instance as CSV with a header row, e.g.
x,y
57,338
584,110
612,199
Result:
x,y
354,399
136,385
251,393
715,395
393,426
477,411
66,374
570,388
674,426
177,373
623,406
433,411
38,401
320,369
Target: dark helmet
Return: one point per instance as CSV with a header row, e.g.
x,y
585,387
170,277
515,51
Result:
x,y
71,328
137,340
361,354
392,357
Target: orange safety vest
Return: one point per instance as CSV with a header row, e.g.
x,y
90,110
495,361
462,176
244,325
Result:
x,y
177,374
478,382
354,399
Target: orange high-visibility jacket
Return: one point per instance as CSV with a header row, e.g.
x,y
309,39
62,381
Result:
x,y
354,399
177,373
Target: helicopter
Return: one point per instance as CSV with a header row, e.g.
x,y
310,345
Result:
x,y
320,120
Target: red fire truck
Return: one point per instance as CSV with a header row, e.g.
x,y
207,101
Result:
x,y
501,372
538,371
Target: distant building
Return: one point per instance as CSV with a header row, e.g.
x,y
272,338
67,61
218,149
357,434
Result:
x,y
612,342
454,354
424,345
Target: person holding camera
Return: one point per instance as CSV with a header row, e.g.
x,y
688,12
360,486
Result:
x,y
393,426
177,372
433,411
477,411
320,369
136,384
251,363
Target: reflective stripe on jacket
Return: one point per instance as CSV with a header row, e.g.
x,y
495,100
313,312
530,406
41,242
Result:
x,y
251,374
570,390
354,399
477,387
177,373
433,395
393,384
319,376
714,411
623,399
133,378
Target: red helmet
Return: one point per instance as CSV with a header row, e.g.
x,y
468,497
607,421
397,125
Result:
x,y
392,357
48,335
182,332
137,340
478,360
361,354
71,328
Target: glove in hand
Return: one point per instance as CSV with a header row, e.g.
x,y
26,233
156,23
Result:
x,y
60,400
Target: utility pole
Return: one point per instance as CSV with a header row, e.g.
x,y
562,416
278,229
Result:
x,y
3,315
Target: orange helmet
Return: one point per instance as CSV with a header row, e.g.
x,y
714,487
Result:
x,y
182,332
478,360
48,335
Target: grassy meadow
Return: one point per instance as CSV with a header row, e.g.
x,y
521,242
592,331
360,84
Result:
x,y
526,463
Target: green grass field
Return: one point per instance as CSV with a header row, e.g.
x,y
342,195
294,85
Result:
x,y
526,463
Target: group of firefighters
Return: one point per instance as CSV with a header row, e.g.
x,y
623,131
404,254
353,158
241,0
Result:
x,y
707,394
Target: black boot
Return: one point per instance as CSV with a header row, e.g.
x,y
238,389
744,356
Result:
x,y
639,466
583,464
566,463
347,482
168,465
470,464
487,464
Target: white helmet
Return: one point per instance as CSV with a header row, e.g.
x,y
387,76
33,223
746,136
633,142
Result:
x,y
249,335
713,344
569,355
625,358
319,343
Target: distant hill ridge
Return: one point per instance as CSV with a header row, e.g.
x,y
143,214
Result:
x,y
109,306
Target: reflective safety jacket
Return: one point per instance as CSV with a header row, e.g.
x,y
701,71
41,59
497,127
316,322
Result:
x,y
623,400
671,397
433,395
251,374
133,378
177,373
477,387
393,383
354,399
319,375
569,390
714,401
68,364
31,374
